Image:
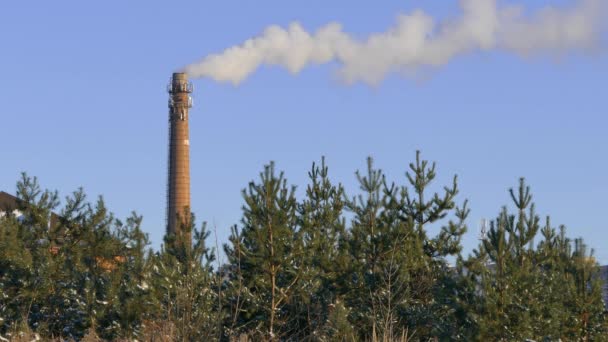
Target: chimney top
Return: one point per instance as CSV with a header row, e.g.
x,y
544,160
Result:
x,y
182,76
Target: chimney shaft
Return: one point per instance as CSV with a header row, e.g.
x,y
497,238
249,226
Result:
x,y
178,186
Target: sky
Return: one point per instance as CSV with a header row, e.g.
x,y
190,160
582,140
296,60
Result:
x,y
84,104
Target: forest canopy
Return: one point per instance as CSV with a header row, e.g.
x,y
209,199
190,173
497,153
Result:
x,y
324,267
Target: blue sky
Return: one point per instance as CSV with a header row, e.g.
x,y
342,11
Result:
x,y
84,104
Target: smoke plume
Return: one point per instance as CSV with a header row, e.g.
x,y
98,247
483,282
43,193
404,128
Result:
x,y
415,41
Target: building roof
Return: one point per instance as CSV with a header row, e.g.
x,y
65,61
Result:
x,y
8,202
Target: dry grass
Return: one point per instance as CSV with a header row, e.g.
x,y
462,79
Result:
x,y
166,332
159,332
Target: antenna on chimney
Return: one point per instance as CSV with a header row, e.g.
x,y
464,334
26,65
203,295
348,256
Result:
x,y
483,229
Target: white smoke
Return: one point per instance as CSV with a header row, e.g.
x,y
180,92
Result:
x,y
415,41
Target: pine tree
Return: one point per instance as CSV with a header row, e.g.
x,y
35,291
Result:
x,y
16,288
587,320
184,288
527,292
266,255
56,304
295,272
71,266
400,277
431,308
370,240
235,294
508,278
551,263
324,259
129,300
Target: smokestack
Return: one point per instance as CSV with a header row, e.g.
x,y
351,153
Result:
x,y
178,185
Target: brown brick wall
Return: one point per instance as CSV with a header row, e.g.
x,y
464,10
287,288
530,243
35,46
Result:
x,y
178,196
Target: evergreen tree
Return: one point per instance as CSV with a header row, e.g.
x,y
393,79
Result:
x,y
295,272
526,292
267,256
432,310
184,288
370,240
586,308
552,258
129,300
508,278
67,276
400,277
17,285
324,258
